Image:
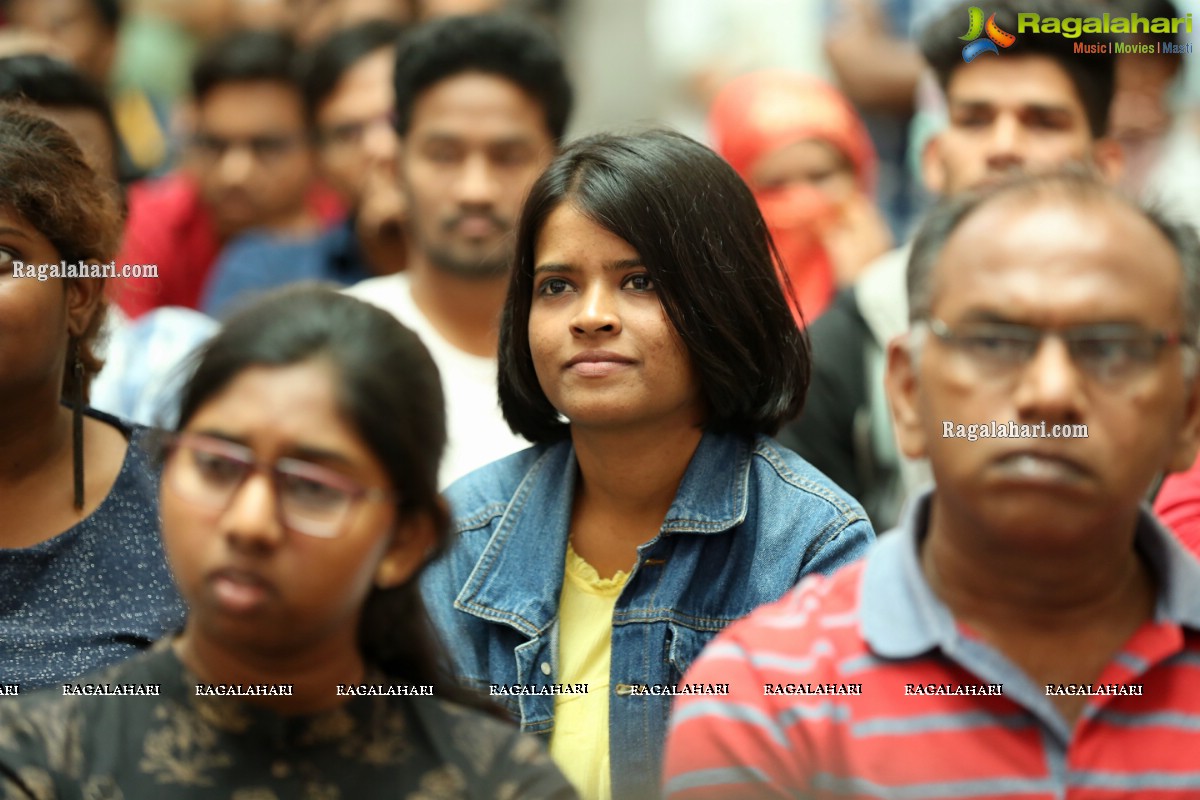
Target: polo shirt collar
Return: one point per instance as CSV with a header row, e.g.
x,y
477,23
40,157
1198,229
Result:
x,y
903,618
1177,570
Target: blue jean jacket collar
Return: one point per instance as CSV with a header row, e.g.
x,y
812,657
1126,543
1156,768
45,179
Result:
x,y
518,578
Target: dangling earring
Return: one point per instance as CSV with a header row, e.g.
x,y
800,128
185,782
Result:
x,y
77,422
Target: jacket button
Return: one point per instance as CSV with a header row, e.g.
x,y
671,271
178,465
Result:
x,y
545,667
624,690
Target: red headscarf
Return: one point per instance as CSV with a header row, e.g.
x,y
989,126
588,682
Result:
x,y
762,112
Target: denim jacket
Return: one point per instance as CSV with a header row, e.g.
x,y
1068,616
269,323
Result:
x,y
749,520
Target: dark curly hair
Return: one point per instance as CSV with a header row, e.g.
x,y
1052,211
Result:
x,y
45,180
507,46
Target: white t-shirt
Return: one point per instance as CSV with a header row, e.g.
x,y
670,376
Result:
x,y
476,431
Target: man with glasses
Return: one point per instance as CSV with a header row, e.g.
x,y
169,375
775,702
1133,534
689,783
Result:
x,y
249,165
348,97
1032,108
1029,629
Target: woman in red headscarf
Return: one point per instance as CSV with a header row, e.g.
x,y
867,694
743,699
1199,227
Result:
x,y
807,157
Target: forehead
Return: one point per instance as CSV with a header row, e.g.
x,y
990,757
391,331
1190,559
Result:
x,y
569,235
13,224
297,402
478,105
91,133
1013,83
1054,260
801,157
368,83
250,107
40,12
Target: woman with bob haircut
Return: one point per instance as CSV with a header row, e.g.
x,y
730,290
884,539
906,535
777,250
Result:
x,y
85,582
648,350
299,502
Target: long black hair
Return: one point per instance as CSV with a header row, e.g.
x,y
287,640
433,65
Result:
x,y
389,390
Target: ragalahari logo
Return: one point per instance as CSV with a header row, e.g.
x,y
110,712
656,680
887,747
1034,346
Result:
x,y
995,36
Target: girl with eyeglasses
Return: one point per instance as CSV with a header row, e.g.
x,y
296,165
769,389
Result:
x,y
648,350
83,579
299,502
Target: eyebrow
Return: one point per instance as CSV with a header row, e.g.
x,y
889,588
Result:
x,y
7,231
988,105
447,137
990,317
613,266
298,452
303,453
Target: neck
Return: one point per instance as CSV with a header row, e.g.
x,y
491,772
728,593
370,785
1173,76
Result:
x,y
381,247
990,583
466,311
300,222
633,474
35,434
313,674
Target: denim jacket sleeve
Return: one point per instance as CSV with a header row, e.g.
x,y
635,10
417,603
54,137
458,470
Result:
x,y
750,519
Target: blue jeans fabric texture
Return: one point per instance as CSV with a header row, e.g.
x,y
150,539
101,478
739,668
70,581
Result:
x,y
749,520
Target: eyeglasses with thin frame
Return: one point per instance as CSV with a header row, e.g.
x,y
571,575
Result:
x,y
265,149
350,134
1108,353
310,499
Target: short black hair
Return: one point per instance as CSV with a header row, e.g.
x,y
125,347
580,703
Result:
x,y
50,83
323,65
699,233
1148,9
243,56
1092,76
507,46
110,13
1072,184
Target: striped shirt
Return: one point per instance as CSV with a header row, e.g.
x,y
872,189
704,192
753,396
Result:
x,y
862,685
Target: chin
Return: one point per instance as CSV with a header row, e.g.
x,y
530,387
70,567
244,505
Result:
x,y
1038,518
601,420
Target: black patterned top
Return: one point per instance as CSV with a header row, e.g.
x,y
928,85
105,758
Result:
x,y
190,743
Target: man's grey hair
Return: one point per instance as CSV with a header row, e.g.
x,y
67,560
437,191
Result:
x,y
1080,186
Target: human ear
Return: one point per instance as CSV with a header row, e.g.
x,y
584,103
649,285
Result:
x,y
1109,159
901,383
1187,443
84,296
933,172
414,538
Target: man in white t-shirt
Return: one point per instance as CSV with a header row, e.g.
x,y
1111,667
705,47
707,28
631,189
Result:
x,y
481,106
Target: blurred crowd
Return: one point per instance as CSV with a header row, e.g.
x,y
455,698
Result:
x,y
593,343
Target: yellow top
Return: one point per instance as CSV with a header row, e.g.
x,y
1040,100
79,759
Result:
x,y
579,744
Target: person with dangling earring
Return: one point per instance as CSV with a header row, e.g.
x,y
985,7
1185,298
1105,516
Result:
x,y
299,504
83,578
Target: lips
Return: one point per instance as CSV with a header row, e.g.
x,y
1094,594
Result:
x,y
240,591
597,363
476,226
1039,466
